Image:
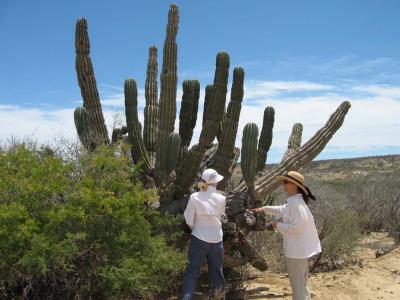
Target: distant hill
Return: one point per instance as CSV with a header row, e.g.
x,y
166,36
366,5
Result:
x,y
344,169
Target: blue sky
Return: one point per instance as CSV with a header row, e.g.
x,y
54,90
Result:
x,y
302,57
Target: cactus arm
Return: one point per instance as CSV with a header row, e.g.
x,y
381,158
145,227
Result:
x,y
188,112
267,183
150,129
294,140
87,84
139,152
190,164
265,137
249,153
81,120
225,156
168,82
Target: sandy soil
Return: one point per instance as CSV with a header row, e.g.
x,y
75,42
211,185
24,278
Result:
x,y
376,278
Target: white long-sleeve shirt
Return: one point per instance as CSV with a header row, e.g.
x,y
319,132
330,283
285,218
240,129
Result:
x,y
203,214
300,236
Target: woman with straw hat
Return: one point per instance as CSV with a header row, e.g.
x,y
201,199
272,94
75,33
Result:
x,y
300,236
203,215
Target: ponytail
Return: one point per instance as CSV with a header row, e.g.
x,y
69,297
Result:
x,y
306,197
202,185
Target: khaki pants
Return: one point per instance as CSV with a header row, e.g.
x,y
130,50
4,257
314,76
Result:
x,y
298,274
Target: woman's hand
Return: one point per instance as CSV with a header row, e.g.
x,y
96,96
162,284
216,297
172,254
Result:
x,y
258,209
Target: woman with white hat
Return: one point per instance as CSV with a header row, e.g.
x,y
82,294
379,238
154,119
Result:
x,y
203,215
300,236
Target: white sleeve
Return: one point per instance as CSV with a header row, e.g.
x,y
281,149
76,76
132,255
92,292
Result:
x,y
275,210
223,205
296,223
190,213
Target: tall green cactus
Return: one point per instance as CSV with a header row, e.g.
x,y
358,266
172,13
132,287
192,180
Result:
x,y
150,130
249,154
225,154
139,152
265,138
87,84
168,80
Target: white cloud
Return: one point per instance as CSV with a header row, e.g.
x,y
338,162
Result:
x,y
372,123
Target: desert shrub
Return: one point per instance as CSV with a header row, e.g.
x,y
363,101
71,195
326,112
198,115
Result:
x,y
343,235
79,229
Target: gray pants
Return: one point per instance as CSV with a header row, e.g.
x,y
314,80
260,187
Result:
x,y
298,274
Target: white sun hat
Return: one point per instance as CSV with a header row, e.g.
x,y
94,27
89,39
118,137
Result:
x,y
211,176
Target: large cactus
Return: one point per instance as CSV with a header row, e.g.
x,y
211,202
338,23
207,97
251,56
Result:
x,y
159,150
87,84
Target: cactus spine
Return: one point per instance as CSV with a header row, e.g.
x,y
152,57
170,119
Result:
x,y
265,138
168,80
249,153
87,84
150,130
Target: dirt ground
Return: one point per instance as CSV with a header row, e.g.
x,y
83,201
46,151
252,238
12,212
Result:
x,y
376,278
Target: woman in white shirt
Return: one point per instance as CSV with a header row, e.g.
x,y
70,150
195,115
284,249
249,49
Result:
x,y
300,236
203,215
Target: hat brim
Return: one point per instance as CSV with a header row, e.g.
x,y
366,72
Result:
x,y
283,178
216,179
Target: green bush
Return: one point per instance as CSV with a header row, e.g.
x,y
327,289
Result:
x,y
79,229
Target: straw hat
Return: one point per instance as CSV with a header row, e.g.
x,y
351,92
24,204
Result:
x,y
295,178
